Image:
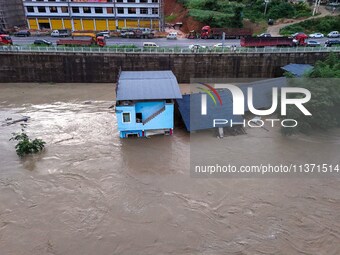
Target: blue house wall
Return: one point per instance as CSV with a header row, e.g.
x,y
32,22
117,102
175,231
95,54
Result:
x,y
163,121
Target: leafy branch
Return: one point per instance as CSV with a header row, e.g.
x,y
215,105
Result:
x,y
25,145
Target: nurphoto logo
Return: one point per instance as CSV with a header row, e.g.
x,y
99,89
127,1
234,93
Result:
x,y
238,100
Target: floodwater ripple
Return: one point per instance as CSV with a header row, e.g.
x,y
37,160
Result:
x,y
91,193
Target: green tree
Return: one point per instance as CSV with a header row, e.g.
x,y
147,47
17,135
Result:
x,y
25,145
323,83
237,18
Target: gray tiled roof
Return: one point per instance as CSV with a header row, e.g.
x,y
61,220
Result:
x,y
147,85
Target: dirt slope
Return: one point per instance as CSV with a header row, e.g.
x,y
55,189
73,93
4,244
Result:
x,y
275,30
180,14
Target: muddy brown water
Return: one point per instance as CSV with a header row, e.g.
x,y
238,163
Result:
x,y
91,193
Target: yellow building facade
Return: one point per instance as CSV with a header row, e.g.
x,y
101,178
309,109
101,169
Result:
x,y
93,16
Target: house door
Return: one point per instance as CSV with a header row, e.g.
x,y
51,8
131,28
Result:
x,y
139,117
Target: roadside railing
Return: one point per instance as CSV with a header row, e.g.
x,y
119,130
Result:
x,y
109,49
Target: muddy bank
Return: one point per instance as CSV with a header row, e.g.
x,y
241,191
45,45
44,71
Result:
x,y
90,192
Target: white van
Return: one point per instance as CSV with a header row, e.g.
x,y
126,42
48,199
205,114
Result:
x,y
150,45
172,35
61,33
333,34
105,34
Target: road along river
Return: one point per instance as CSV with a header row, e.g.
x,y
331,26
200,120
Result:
x,y
161,42
91,193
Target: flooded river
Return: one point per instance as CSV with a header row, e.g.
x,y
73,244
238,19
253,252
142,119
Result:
x,y
91,192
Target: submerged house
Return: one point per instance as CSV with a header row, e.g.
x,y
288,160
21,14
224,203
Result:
x,y
190,110
190,105
145,102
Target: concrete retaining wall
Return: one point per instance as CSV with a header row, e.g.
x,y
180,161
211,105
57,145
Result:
x,y
90,67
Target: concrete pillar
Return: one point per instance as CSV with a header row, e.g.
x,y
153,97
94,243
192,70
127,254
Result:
x,y
220,132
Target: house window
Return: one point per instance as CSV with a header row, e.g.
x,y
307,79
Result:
x,y
98,10
154,10
132,10
75,9
120,10
109,10
126,117
143,10
139,117
53,9
87,9
41,9
64,9
30,9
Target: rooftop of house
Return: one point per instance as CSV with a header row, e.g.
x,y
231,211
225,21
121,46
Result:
x,y
190,105
147,85
190,109
297,69
262,91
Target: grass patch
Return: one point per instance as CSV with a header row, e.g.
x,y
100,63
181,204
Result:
x,y
170,18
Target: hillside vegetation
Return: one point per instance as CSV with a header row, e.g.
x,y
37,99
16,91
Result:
x,y
325,102
223,13
323,25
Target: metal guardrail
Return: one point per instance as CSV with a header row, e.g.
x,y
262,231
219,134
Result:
x,y
109,49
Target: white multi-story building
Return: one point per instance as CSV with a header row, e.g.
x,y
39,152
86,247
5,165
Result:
x,y
96,15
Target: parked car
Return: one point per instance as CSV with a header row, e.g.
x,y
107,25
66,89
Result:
x,y
264,35
61,33
125,33
197,46
24,33
334,34
220,45
316,35
330,43
42,42
172,35
313,44
105,34
150,45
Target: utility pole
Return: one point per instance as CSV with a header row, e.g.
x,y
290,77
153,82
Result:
x,y
70,14
161,15
115,12
316,7
266,5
